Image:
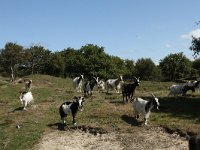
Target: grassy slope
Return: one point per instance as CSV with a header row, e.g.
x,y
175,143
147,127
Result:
x,y
101,110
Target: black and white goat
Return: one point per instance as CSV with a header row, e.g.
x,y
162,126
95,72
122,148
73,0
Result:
x,y
25,98
89,85
191,85
78,83
71,107
114,84
128,89
184,88
144,107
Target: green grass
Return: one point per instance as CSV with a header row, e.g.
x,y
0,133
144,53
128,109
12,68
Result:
x,y
105,111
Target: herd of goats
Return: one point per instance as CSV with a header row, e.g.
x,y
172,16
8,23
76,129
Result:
x,y
140,106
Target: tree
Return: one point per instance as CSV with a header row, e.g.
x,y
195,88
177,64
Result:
x,y
117,67
129,68
196,67
145,68
73,62
56,65
38,59
96,61
11,56
175,66
195,47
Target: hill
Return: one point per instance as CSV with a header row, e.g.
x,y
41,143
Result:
x,y
103,113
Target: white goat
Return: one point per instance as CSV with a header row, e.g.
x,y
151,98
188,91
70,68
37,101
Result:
x,y
101,85
78,82
176,90
144,107
114,84
25,98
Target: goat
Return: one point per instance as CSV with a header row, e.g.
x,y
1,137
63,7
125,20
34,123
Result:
x,y
191,85
71,107
25,98
89,85
28,84
194,142
176,90
129,89
101,85
77,82
114,84
182,89
144,107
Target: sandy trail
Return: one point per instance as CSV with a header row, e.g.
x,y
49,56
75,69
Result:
x,y
152,139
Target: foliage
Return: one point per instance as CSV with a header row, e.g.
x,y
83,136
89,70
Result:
x,y
175,66
196,67
90,60
129,71
11,56
146,69
38,59
195,47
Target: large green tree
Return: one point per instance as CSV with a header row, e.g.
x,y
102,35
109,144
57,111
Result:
x,y
95,60
38,59
145,68
73,62
11,58
56,65
129,71
175,66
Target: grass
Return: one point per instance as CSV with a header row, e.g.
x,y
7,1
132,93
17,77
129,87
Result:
x,y
101,110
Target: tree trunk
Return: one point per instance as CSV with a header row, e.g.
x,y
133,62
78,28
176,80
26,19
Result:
x,y
12,73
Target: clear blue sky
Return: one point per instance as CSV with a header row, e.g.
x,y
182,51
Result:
x,y
129,29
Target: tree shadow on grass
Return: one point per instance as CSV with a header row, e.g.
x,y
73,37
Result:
x,y
183,107
131,120
117,102
57,126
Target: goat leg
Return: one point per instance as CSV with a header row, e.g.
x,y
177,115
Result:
x,y
74,121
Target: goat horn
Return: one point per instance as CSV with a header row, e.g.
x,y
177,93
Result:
x,y
153,95
135,78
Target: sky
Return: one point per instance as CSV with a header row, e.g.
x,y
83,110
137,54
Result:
x,y
129,29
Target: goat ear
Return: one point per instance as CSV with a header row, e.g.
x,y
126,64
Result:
x,y
83,100
75,97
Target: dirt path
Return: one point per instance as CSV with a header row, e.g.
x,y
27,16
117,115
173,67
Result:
x,y
146,138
